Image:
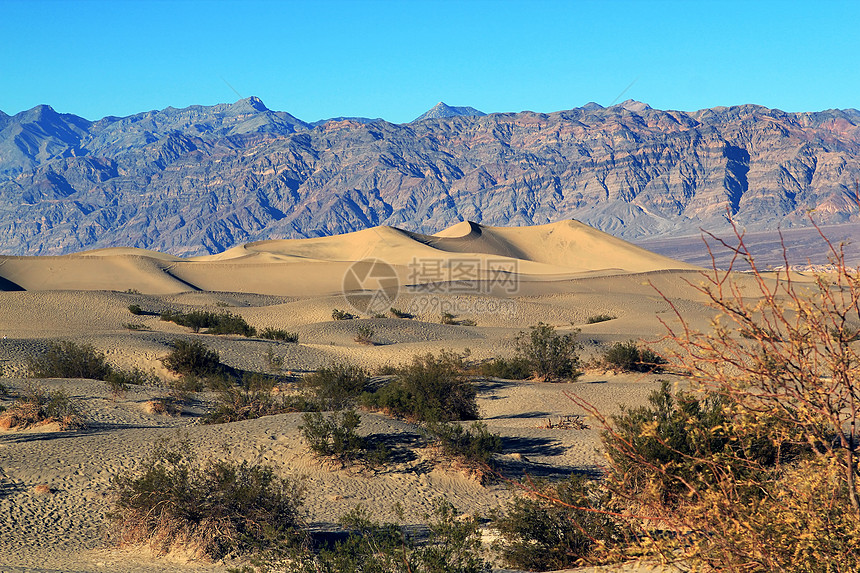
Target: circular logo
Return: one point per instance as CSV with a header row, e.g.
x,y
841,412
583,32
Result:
x,y
370,286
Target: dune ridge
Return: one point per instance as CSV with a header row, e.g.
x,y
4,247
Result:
x,y
298,267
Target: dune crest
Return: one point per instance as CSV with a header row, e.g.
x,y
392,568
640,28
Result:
x,y
555,251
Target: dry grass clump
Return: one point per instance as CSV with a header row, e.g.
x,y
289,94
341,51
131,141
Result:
x,y
755,469
36,407
213,509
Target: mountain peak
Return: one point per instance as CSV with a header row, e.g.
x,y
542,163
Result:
x,y
249,105
633,105
442,109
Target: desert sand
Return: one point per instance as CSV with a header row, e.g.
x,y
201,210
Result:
x,y
503,279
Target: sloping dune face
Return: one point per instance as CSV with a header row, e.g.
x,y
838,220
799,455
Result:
x,y
307,267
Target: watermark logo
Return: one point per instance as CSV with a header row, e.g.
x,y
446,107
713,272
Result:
x,y
371,286
467,275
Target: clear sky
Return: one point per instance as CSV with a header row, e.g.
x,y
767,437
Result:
x,y
396,59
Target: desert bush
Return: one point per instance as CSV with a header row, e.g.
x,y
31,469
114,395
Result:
x,y
337,386
630,357
192,358
335,437
67,359
552,356
228,323
37,406
558,526
364,335
594,319
135,326
279,334
517,368
431,389
197,366
274,362
237,404
337,314
452,545
472,447
213,509
448,318
215,323
135,309
668,446
397,313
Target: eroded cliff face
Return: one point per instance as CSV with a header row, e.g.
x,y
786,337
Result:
x,y
202,179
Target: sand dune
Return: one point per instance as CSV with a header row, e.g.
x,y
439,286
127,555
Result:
x,y
302,267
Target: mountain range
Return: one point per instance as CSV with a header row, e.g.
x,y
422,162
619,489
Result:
x,y
202,179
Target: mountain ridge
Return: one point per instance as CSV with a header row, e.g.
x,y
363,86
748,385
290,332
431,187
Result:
x,y
201,179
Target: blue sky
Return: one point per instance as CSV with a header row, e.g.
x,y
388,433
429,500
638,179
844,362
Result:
x,y
397,59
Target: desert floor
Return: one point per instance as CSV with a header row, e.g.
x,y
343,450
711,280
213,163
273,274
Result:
x,y
565,274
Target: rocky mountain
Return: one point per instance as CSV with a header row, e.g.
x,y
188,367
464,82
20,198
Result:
x,y
201,179
442,110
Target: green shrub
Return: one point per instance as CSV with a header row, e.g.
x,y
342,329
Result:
x,y
517,368
397,313
196,364
228,323
628,356
69,360
551,356
429,389
135,326
279,334
335,437
537,534
237,404
274,362
364,335
66,359
38,406
473,446
453,545
214,509
135,309
600,318
669,442
448,318
341,315
215,323
337,386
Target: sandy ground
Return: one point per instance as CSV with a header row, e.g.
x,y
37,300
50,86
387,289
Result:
x,y
564,274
